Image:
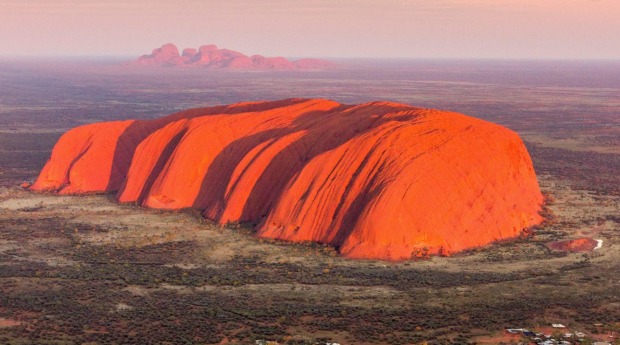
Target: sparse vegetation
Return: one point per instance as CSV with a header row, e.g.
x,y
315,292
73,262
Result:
x,y
84,269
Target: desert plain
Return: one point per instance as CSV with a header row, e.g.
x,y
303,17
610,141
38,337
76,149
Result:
x,y
85,269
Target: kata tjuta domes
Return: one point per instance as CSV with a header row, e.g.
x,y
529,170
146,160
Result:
x,y
210,56
376,180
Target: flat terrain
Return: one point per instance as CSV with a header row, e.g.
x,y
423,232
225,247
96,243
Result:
x,y
85,269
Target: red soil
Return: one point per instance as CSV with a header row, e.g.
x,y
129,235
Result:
x,y
5,323
377,180
210,56
585,244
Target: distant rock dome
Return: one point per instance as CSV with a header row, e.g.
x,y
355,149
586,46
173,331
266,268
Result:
x,y
210,56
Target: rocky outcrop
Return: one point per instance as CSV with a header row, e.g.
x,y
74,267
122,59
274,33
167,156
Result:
x,y
209,56
377,180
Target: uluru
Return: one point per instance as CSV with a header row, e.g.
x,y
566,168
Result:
x,y
378,180
210,56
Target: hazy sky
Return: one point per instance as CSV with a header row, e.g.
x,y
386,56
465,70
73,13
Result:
x,y
573,29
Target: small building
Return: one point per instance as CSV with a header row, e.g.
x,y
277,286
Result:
x,y
266,342
515,330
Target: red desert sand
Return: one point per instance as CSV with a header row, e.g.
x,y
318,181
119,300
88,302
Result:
x,y
5,323
209,56
377,180
585,244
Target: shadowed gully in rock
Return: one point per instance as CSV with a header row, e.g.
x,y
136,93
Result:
x,y
378,180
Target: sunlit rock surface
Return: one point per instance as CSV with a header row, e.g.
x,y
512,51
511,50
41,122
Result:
x,y
377,180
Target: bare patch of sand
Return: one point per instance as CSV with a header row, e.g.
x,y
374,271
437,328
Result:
x,y
5,323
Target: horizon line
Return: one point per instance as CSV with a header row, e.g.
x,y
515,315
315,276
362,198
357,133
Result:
x,y
401,58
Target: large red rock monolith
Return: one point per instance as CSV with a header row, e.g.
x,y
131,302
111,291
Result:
x,y
378,180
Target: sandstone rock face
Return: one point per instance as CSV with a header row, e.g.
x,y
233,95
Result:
x,y
161,55
377,180
209,56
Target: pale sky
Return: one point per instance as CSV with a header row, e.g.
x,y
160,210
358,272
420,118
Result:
x,y
534,29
